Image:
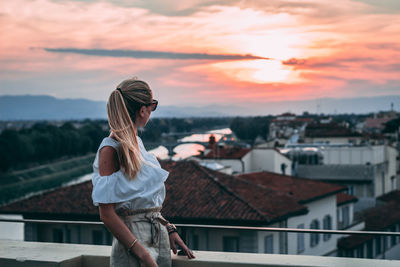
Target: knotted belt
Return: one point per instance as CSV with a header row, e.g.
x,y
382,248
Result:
x,y
151,215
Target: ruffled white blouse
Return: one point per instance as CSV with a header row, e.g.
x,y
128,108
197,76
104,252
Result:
x,y
146,190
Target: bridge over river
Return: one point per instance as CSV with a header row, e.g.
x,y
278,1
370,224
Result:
x,y
172,145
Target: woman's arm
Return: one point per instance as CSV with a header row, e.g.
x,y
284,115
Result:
x,y
123,234
175,239
108,164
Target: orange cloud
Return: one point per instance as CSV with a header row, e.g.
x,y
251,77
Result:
x,y
319,48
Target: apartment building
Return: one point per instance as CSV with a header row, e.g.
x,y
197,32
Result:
x,y
367,171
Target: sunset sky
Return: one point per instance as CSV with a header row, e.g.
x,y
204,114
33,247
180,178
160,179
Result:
x,y
201,52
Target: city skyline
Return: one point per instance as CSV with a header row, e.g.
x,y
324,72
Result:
x,y
202,52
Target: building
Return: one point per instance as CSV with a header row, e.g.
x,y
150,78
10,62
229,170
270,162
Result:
x,y
384,217
367,171
331,133
197,195
246,160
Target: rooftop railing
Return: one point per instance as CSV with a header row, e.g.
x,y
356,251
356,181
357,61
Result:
x,y
30,254
270,229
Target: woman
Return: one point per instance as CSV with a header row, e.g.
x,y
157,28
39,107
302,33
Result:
x,y
128,184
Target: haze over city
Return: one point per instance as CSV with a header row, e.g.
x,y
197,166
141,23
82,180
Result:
x,y
202,52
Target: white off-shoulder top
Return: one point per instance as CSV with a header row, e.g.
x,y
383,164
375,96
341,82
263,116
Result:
x,y
146,190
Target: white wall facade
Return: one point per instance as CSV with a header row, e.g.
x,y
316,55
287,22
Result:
x,y
354,155
268,160
256,160
317,211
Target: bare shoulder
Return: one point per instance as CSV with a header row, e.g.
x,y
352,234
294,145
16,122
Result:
x,y
108,161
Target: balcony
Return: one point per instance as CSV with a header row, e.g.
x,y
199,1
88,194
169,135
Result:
x,y
31,254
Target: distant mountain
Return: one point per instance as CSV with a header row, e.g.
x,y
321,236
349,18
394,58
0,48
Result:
x,y
41,107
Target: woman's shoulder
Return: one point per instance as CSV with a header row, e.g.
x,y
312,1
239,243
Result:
x,y
108,141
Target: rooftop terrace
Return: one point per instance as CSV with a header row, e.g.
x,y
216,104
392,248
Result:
x,y
30,254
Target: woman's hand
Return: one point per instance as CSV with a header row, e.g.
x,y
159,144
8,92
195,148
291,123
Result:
x,y
174,239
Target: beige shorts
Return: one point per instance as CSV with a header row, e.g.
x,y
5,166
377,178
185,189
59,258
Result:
x,y
151,233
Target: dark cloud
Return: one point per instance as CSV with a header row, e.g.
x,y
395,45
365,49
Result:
x,y
150,54
294,61
321,63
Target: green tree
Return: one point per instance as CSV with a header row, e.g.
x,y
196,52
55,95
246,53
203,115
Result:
x,y
392,126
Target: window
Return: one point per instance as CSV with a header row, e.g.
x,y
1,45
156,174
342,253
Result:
x,y
109,238
68,235
327,224
360,252
369,249
378,245
97,237
314,238
346,216
300,239
58,236
195,242
349,253
384,243
338,218
269,244
231,244
350,190
283,168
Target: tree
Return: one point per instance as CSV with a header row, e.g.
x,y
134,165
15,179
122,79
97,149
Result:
x,y
392,126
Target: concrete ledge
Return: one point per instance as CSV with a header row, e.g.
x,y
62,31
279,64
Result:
x,y
35,254
29,254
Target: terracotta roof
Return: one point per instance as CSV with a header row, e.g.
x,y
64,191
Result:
x,y
376,122
302,190
226,153
273,204
343,198
73,200
373,220
195,194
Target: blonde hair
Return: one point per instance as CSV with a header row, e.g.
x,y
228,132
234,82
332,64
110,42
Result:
x,y
122,106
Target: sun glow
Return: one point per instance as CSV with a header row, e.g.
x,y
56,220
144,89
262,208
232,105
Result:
x,y
257,71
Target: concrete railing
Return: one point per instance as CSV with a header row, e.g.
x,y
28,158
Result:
x,y
33,254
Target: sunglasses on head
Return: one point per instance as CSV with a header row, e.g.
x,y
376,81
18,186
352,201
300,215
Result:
x,y
153,105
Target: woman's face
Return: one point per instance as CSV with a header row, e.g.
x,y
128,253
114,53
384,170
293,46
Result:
x,y
143,115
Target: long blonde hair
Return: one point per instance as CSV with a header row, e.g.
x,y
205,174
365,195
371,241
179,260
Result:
x,y
122,106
